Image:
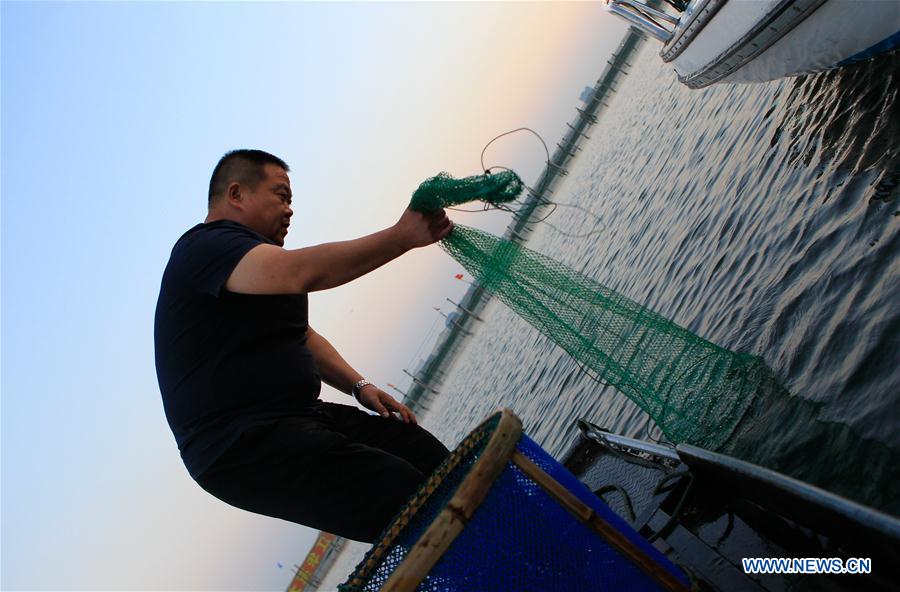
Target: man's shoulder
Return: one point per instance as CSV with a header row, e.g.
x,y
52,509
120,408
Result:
x,y
206,254
216,236
208,230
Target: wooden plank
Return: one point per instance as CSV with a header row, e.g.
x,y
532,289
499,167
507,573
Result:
x,y
456,514
586,514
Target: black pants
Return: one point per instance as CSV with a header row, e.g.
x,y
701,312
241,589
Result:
x,y
337,469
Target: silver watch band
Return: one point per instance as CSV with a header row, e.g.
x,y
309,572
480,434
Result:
x,y
358,387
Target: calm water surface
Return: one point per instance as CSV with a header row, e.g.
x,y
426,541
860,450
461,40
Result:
x,y
766,219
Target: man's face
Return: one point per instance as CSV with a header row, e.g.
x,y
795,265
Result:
x,y
268,206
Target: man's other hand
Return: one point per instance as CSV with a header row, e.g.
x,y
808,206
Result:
x,y
385,405
416,229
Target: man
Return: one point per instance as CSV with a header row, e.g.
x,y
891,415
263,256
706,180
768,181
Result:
x,y
240,368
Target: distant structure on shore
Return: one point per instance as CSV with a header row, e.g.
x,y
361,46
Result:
x,y
586,94
317,563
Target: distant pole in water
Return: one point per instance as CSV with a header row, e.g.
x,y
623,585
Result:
x,y
458,326
466,310
419,382
393,386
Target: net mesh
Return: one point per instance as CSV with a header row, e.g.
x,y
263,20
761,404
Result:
x,y
696,391
519,538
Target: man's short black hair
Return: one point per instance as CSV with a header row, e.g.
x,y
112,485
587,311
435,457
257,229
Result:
x,y
243,166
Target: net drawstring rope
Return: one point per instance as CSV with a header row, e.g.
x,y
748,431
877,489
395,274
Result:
x,y
599,226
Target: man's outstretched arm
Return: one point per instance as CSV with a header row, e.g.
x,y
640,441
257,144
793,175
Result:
x,y
268,269
336,372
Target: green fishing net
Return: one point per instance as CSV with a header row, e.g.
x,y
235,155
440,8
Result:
x,y
694,390
443,190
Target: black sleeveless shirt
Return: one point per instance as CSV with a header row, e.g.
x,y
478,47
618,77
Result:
x,y
226,361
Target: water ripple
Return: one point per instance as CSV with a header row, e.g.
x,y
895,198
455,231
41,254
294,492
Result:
x,y
764,218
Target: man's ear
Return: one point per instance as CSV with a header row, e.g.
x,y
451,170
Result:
x,y
233,195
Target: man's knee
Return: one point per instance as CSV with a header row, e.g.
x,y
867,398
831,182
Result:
x,y
435,454
378,507
421,449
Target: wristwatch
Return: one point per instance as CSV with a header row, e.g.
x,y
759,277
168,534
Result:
x,y
358,387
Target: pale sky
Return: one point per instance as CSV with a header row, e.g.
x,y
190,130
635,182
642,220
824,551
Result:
x,y
113,116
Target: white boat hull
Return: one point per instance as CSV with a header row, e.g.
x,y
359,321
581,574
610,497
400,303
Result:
x,y
714,41
836,32
832,32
